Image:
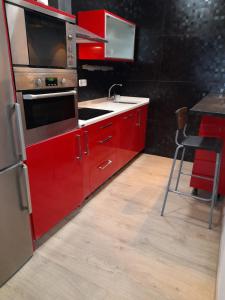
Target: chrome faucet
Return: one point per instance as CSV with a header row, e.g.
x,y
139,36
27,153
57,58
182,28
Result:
x,y
109,94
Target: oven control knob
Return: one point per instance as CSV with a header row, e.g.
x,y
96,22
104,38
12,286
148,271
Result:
x,y
38,82
63,81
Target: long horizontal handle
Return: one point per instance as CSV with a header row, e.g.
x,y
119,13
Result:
x,y
106,126
108,163
48,95
105,140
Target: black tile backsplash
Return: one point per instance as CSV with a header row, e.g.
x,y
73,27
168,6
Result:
x,y
179,57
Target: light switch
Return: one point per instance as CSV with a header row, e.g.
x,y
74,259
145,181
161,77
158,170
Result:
x,y
82,82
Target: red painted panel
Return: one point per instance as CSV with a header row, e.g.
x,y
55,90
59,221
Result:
x,y
95,51
55,181
93,20
204,163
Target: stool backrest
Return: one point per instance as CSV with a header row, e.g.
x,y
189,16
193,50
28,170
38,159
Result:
x,y
181,114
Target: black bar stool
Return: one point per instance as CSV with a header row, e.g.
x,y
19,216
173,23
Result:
x,y
194,143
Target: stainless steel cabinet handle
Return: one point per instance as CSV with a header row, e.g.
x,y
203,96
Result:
x,y
79,156
20,132
27,184
107,125
106,140
49,95
86,152
108,163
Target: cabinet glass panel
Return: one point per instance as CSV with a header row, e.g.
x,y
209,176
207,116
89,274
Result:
x,y
120,36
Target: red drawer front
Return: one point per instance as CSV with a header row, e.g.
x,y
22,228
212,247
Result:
x,y
205,155
102,170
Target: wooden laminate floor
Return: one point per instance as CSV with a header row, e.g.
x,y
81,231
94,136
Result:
x,y
118,247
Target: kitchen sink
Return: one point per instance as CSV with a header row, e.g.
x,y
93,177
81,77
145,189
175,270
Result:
x,y
90,113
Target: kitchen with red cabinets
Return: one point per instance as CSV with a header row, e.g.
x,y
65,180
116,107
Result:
x,y
90,94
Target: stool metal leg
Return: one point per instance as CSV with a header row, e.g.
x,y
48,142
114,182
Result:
x,y
180,169
215,187
170,179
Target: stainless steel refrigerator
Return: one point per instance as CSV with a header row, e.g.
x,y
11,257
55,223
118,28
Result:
x,y
15,233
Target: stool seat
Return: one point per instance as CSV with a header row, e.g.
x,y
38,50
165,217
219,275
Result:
x,y
203,143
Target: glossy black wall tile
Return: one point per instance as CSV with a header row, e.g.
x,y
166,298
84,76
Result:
x,y
179,58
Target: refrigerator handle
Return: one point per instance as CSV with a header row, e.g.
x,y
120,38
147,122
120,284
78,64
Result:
x,y
20,132
27,187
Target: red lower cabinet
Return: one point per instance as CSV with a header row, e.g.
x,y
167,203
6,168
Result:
x,y
99,153
204,164
131,129
56,180
126,135
141,115
66,169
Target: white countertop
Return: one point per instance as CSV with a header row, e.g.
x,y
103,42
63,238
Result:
x,y
117,108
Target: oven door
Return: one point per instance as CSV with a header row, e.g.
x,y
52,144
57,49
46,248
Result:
x,y
47,114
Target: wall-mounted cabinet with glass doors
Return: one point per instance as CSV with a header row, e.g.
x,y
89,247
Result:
x,y
118,32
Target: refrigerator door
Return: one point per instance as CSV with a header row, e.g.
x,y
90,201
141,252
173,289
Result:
x,y
15,234
9,137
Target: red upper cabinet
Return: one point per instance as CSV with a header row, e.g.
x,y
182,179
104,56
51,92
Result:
x,y
119,33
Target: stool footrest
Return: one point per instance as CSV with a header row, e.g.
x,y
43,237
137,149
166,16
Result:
x,y
190,195
197,176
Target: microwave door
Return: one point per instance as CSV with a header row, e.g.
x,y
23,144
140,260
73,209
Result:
x,y
46,39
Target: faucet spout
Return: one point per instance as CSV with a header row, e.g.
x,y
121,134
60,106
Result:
x,y
110,89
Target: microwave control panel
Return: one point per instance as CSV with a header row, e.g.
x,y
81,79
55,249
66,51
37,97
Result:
x,y
71,45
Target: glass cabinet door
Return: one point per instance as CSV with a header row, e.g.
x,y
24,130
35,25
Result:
x,y
121,37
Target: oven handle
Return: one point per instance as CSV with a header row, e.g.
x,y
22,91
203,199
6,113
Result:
x,y
49,95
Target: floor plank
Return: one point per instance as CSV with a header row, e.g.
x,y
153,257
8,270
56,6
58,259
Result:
x,y
118,246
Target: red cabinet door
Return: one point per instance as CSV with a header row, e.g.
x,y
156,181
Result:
x,y
126,136
204,164
140,128
56,180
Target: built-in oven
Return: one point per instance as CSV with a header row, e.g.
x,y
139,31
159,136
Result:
x,y
40,37
48,102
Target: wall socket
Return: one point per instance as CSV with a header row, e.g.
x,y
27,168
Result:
x,y
82,82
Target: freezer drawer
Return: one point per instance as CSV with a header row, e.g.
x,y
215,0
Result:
x,y
15,234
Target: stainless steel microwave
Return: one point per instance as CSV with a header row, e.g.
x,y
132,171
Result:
x,y
39,37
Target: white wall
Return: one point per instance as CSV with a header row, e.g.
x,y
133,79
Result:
x,y
221,268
